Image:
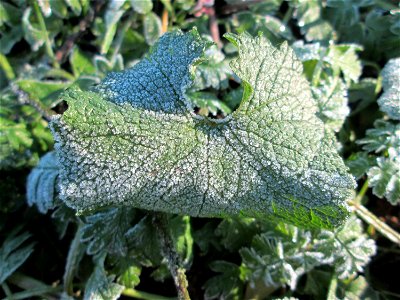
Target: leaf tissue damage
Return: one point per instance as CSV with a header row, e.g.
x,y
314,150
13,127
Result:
x,y
134,140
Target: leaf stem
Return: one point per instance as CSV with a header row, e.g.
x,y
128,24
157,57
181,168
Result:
x,y
5,65
28,294
143,295
332,288
74,256
24,98
164,20
160,220
7,290
32,286
42,24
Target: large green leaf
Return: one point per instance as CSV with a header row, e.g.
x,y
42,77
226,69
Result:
x,y
135,141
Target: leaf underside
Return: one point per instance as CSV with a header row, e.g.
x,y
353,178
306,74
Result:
x,y
135,141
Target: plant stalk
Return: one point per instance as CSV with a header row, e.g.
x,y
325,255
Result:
x,y
143,295
160,220
74,256
42,24
5,65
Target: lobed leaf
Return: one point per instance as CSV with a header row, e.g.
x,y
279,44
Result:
x,y
135,141
41,184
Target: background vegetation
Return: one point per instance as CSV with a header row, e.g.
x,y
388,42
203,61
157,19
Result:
x,y
47,251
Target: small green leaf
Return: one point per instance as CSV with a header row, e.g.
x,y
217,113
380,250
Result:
x,y
389,102
41,185
130,278
112,16
213,72
151,28
144,243
142,6
181,233
208,103
8,39
226,285
75,6
384,138
81,63
105,231
100,286
32,32
12,256
344,57
359,164
385,179
48,92
331,98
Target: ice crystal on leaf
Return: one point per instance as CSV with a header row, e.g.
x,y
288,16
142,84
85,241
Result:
x,y
135,140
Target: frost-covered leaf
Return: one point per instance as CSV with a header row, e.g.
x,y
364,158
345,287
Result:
x,y
385,179
100,286
12,256
389,102
226,285
331,98
41,184
136,141
350,249
385,137
105,231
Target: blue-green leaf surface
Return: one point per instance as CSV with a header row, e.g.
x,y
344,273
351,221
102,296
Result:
x,y
135,141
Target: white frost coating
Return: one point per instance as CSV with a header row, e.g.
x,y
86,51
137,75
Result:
x,y
134,142
389,102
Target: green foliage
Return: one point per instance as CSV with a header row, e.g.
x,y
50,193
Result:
x,y
105,231
13,254
280,256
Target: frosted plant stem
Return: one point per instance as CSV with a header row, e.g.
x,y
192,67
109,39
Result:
x,y
160,220
371,219
143,295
